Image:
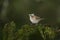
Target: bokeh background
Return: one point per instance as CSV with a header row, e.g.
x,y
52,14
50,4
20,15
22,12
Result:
x,y
18,10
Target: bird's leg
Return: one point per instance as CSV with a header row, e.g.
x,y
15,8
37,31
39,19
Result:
x,y
31,24
36,24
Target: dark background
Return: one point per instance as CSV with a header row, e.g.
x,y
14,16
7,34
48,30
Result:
x,y
18,10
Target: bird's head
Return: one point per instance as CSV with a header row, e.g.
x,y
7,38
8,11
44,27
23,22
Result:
x,y
31,14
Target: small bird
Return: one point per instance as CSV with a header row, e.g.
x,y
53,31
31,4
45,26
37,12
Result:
x,y
35,19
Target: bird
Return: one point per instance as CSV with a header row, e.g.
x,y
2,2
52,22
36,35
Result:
x,y
35,19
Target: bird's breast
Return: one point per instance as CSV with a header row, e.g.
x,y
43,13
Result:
x,y
33,20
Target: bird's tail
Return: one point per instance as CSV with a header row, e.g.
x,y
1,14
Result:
x,y
41,18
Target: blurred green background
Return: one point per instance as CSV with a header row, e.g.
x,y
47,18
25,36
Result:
x,y
18,10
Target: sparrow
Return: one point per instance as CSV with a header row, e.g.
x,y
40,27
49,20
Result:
x,y
35,19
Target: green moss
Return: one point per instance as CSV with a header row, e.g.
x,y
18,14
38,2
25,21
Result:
x,y
40,31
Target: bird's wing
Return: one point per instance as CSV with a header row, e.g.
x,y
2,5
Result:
x,y
37,17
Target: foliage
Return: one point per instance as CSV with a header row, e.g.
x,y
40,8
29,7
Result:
x,y
24,32
47,32
10,32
